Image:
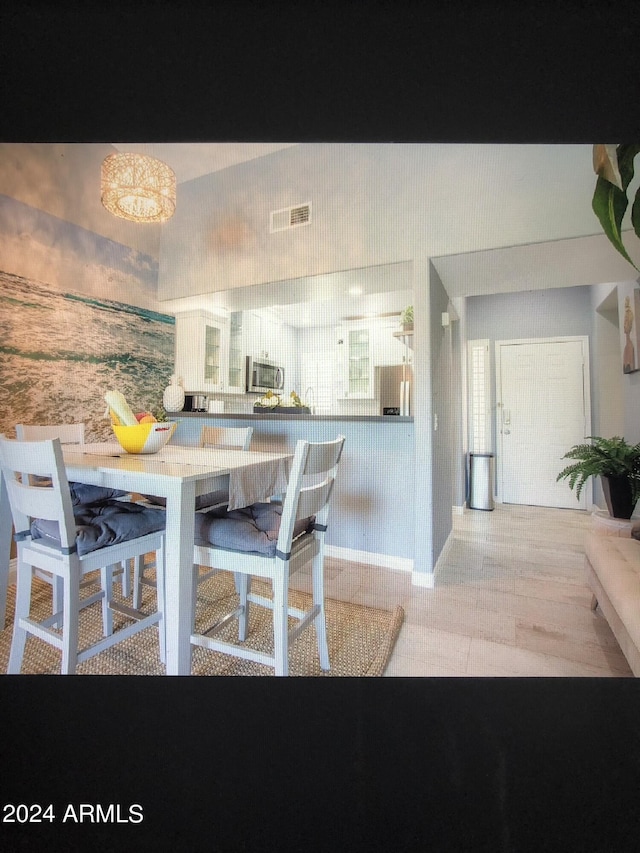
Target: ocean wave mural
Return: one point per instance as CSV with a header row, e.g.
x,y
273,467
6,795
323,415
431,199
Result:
x,y
62,346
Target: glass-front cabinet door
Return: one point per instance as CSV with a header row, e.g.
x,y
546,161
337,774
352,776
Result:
x,y
359,362
355,362
201,342
212,354
236,378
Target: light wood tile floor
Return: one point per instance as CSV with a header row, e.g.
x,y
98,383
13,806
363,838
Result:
x,y
510,600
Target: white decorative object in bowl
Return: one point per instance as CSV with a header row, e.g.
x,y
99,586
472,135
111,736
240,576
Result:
x,y
173,396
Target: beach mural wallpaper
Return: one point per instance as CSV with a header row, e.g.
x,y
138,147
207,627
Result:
x,y
77,319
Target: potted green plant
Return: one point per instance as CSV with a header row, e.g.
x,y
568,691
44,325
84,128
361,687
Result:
x,y
406,318
616,462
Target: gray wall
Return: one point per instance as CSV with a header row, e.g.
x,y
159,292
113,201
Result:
x,y
371,204
444,442
531,314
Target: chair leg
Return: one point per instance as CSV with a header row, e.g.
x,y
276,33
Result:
x,y
71,610
281,622
57,597
138,572
317,571
194,593
243,585
23,606
106,578
160,602
126,579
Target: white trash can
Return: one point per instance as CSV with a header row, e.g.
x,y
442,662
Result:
x,y
481,466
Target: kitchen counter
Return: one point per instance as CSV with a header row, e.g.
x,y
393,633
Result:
x,y
259,416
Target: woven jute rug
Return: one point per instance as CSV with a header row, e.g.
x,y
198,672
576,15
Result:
x,y
360,639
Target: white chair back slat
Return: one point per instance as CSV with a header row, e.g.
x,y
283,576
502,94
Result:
x,y
313,499
323,457
238,438
67,433
40,502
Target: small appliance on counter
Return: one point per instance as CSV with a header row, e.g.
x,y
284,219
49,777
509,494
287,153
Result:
x,y
195,403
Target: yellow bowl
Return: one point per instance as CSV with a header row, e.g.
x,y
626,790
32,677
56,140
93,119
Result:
x,y
145,438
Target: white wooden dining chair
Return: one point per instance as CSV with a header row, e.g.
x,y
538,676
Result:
x,y
68,434
236,438
38,502
300,524
233,438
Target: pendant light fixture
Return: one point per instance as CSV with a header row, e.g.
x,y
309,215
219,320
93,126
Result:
x,y
138,188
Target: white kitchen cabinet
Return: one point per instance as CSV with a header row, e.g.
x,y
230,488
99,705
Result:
x,y
202,351
389,350
265,337
354,356
260,336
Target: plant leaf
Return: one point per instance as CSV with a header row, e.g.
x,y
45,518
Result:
x,y
610,201
609,204
635,214
626,156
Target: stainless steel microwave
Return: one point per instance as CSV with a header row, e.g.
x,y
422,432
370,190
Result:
x,y
264,375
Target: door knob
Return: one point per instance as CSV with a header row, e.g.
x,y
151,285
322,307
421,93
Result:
x,y
507,431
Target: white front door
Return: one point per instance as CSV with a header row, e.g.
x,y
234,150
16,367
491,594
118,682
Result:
x,y
542,390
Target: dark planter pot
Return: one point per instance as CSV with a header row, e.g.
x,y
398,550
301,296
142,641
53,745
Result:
x,y
617,494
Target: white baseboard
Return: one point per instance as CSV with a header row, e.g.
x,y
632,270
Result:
x,y
445,550
387,561
458,510
428,579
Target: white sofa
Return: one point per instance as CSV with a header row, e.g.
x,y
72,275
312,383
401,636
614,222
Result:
x,y
613,573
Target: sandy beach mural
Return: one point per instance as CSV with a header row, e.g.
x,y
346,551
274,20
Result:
x,y
75,321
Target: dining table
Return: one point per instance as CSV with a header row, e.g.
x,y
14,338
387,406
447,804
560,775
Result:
x,y
177,473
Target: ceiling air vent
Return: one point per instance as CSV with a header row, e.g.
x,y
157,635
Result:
x,y
290,217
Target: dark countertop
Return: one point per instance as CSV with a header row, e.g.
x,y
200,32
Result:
x,y
280,417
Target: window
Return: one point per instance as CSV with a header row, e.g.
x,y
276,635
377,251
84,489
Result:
x,y
479,397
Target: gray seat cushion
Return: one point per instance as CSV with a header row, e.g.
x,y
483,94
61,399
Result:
x,y
83,493
253,529
221,496
103,524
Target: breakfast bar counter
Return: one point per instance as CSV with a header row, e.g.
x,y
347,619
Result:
x,y
267,415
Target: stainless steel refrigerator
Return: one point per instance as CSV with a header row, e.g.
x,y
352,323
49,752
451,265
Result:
x,y
394,388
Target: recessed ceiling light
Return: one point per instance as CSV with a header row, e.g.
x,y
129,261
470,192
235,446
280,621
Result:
x,y
355,291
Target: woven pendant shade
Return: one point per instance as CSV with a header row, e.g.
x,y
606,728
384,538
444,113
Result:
x,y
138,188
